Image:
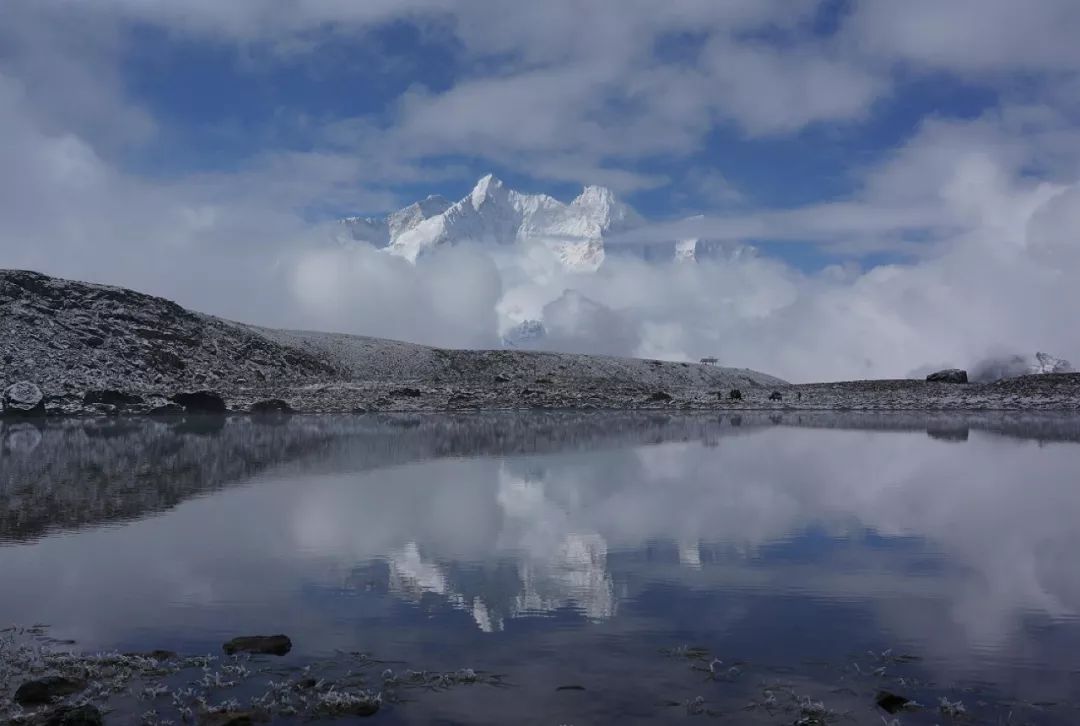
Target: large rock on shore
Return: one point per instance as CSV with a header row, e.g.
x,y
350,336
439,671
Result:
x,y
45,690
200,402
949,375
23,399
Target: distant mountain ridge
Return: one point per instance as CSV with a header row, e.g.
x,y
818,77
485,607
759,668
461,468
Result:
x,y
494,215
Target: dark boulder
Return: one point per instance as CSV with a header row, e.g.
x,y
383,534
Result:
x,y
23,399
200,402
360,709
660,396
265,644
271,406
890,702
158,655
85,715
949,375
406,393
44,690
776,396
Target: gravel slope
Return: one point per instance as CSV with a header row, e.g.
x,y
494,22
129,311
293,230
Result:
x,y
71,338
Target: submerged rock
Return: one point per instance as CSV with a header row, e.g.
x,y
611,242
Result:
x,y
44,690
23,399
890,702
233,718
158,655
265,644
949,375
85,715
200,402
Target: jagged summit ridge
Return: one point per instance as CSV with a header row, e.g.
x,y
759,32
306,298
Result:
x,y
493,214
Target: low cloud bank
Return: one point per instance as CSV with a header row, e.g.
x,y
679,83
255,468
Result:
x,y
974,302
1002,275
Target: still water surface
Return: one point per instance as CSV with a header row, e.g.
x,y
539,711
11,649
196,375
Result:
x,y
668,568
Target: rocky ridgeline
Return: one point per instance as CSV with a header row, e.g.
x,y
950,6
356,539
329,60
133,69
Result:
x,y
98,349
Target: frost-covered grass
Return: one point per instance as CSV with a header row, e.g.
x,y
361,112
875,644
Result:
x,y
178,690
174,689
821,693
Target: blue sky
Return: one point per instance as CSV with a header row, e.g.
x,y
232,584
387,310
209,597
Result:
x,y
864,147
221,104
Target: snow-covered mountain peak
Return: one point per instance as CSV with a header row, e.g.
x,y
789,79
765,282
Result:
x,y
431,204
408,217
489,188
594,195
494,215
603,208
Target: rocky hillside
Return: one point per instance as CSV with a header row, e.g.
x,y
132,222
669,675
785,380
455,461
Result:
x,y
95,348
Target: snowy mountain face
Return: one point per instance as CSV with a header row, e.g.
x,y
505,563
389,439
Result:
x,y
381,231
494,215
526,334
996,369
1046,363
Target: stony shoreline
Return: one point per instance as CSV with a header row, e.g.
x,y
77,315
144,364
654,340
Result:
x,y
1060,392
1056,392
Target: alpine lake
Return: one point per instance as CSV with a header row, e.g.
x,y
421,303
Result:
x,y
545,568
